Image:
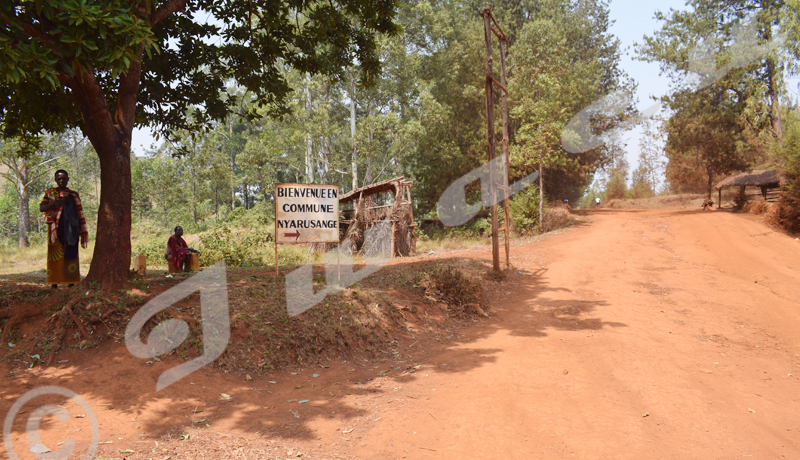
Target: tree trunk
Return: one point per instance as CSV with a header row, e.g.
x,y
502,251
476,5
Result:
x,y
368,173
710,181
772,86
353,130
326,140
233,166
541,197
24,218
110,135
309,143
194,197
112,251
775,104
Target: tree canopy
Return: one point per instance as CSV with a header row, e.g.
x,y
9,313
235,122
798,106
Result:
x,y
107,66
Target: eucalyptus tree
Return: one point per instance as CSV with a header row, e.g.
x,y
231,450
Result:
x,y
727,59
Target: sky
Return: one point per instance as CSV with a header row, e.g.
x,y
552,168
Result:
x,y
633,20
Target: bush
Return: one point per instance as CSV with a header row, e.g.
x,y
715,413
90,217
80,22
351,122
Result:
x,y
555,217
257,216
451,286
788,213
524,208
756,207
240,249
153,249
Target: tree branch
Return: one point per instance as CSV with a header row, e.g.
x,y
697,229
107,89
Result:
x,y
167,8
92,104
126,96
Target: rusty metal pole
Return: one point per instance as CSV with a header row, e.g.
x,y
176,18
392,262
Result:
x,y
506,161
487,28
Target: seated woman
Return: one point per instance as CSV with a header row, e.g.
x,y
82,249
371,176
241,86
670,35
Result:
x,y
177,251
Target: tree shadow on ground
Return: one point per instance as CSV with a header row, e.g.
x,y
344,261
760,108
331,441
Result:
x,y
124,387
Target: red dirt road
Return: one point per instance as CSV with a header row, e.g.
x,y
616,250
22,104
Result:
x,y
650,335
637,335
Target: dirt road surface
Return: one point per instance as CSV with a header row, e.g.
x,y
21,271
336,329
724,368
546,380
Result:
x,y
636,335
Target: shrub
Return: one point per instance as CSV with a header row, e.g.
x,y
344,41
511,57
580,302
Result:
x,y
239,249
788,213
153,249
524,208
451,286
757,207
555,217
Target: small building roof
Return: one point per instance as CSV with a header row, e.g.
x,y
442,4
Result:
x,y
378,187
758,178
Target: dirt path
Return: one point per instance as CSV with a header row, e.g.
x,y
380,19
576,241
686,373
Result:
x,y
640,334
643,335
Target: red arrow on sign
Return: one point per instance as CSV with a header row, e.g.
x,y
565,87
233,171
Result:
x,y
296,235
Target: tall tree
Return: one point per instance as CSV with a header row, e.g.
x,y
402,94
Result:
x,y
706,136
712,37
563,60
106,66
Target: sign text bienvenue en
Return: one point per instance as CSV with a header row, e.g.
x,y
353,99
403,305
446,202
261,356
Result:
x,y
306,213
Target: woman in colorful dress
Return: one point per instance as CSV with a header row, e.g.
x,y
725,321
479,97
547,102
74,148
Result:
x,y
66,226
177,251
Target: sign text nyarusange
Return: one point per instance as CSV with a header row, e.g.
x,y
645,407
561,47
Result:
x,y
306,213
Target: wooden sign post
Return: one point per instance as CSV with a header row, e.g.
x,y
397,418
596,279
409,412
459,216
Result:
x,y
306,213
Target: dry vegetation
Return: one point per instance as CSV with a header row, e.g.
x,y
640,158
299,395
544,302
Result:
x,y
365,318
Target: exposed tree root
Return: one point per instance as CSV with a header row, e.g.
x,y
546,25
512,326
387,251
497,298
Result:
x,y
191,321
22,312
78,323
17,314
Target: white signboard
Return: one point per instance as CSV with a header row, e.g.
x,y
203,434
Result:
x,y
306,213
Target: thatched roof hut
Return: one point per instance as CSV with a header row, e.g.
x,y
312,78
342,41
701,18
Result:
x,y
396,219
757,178
765,179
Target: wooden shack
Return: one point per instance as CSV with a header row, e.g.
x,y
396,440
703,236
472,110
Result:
x,y
765,179
386,204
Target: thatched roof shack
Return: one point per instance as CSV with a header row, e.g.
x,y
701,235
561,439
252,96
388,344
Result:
x,y
396,219
758,178
763,178
388,185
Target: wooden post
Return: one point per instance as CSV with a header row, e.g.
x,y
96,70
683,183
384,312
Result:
x,y
719,203
411,213
506,161
487,29
140,264
194,262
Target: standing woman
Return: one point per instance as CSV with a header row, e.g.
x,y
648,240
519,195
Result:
x,y
66,225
